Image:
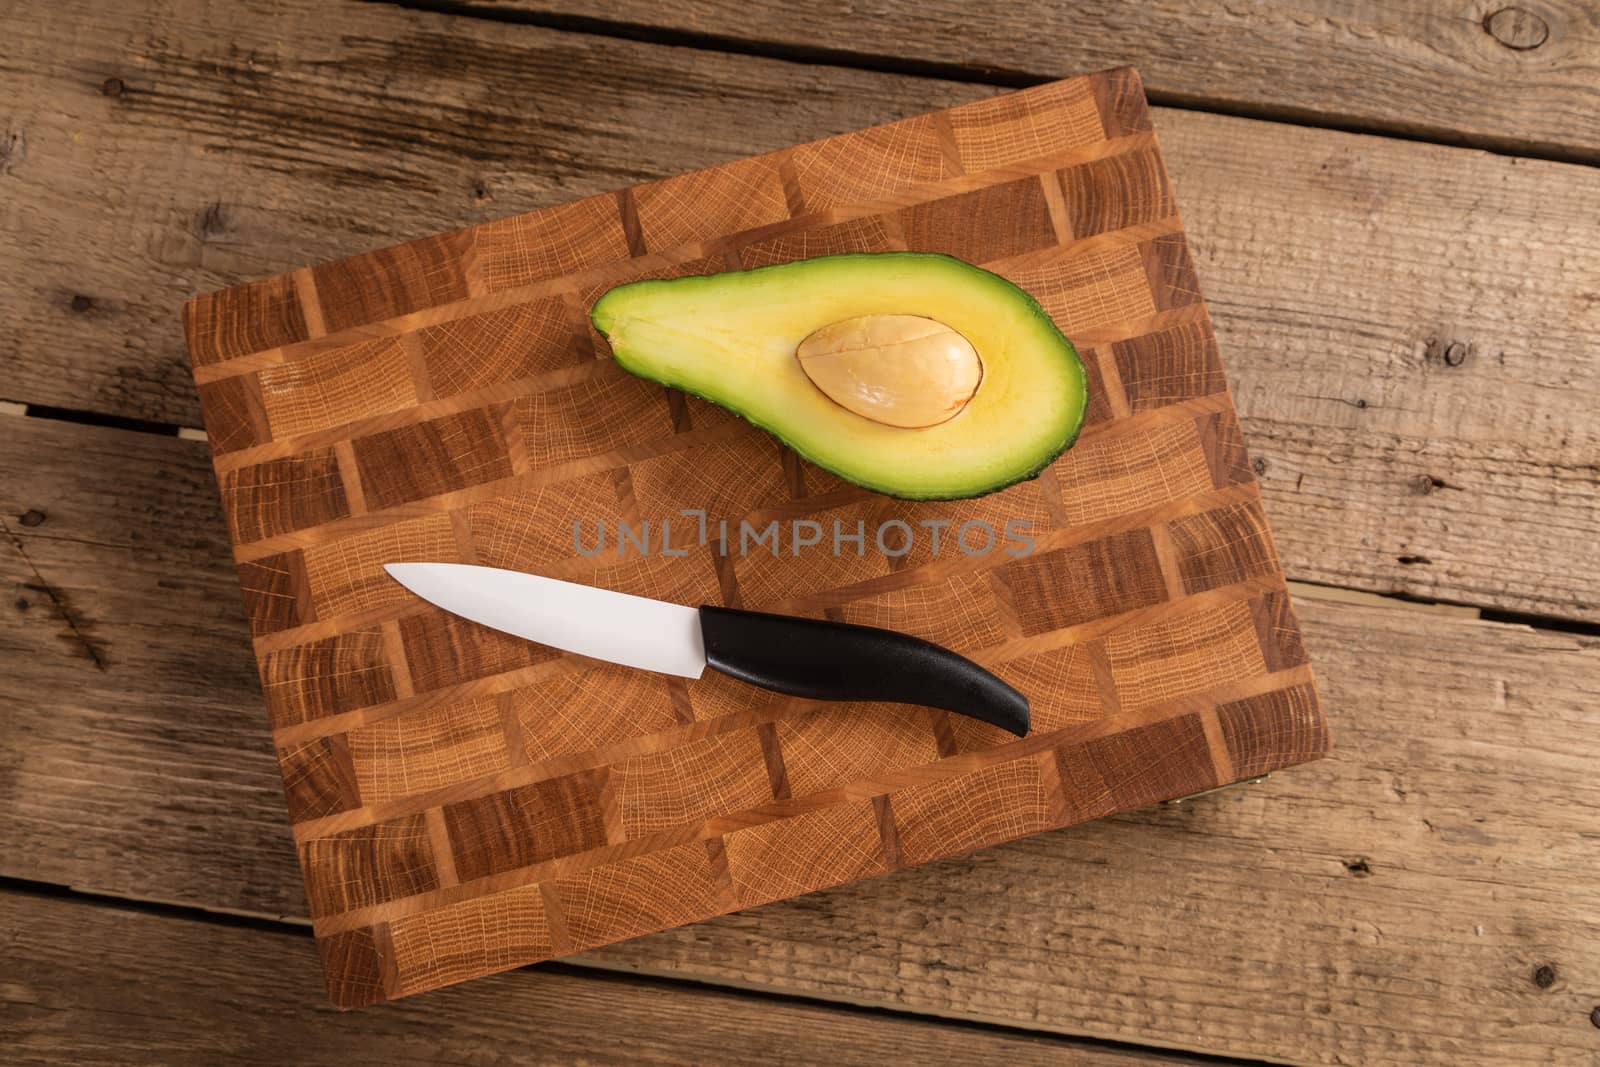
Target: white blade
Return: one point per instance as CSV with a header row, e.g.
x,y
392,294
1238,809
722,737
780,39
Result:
x,y
634,631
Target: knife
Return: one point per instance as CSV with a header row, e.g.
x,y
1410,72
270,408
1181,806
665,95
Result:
x,y
809,658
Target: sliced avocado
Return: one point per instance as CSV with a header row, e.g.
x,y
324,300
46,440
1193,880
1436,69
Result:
x,y
732,338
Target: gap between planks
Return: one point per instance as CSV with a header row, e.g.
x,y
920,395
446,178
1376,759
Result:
x,y
1345,595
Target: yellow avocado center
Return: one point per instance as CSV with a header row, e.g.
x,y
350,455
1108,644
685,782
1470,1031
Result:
x,y
898,370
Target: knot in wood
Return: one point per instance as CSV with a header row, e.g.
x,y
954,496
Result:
x,y
1455,354
81,303
1517,28
31,517
1544,975
13,149
213,220
112,87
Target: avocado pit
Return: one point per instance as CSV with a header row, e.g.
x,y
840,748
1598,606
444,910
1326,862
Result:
x,y
907,371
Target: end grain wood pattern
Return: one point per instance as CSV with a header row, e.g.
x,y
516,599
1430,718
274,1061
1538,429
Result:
x,y
465,802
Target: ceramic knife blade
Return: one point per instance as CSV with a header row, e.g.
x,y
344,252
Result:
x,y
634,631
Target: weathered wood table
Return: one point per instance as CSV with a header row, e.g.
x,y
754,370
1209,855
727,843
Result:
x,y
1396,214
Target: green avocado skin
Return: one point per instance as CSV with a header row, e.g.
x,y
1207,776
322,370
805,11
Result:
x,y
610,316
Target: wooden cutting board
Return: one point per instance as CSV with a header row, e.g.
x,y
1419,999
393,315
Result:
x,y
465,802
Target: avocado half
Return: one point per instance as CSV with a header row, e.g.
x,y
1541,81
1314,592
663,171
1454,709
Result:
x,y
731,339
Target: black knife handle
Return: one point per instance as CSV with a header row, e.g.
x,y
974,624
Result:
x,y
821,660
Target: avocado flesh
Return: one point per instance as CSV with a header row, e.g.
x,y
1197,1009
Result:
x,y
731,338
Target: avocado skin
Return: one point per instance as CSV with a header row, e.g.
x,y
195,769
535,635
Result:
x,y
604,316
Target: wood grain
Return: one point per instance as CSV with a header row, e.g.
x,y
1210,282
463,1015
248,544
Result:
x,y
1510,77
626,844
1439,721
211,994
1450,188
1390,450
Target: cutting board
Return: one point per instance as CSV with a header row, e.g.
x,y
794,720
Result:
x,y
464,802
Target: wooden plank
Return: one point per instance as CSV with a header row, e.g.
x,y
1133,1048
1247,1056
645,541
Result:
x,y
1392,902
98,585
1515,77
166,989
1407,325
